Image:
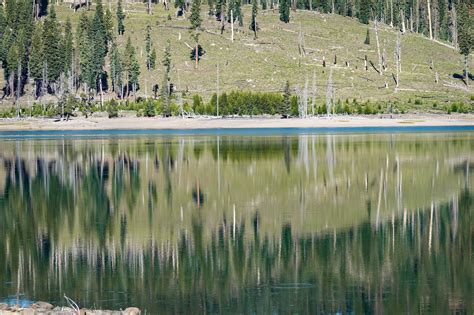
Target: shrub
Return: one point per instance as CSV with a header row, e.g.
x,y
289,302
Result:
x,y
150,110
112,108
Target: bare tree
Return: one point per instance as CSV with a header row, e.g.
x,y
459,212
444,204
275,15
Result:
x,y
429,19
217,88
329,94
301,43
232,25
454,28
378,46
302,100
402,18
18,89
313,93
391,13
398,64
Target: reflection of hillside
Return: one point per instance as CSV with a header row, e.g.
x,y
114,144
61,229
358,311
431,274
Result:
x,y
129,187
364,269
220,222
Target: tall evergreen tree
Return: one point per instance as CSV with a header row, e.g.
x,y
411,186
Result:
x,y
120,18
131,65
153,58
98,38
37,56
85,49
465,35
165,88
148,46
109,25
52,46
116,68
68,46
253,24
195,17
210,4
3,22
364,11
284,11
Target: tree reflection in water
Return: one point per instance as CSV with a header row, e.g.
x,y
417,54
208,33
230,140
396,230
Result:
x,y
241,224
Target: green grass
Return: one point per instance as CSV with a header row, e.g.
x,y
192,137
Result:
x,y
266,63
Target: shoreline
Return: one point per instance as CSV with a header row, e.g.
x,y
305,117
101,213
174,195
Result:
x,y
202,123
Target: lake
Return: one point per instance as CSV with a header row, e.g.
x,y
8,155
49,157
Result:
x,y
277,221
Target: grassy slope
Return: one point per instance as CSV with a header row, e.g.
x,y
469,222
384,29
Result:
x,y
264,64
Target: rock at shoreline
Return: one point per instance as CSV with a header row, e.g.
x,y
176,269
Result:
x,y
45,308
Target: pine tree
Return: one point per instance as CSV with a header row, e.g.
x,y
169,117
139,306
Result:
x,y
253,24
52,46
116,68
68,46
153,58
120,18
3,23
367,37
109,25
84,45
286,105
284,11
465,35
131,65
364,11
231,4
238,12
180,4
165,88
98,38
195,17
148,46
13,57
210,4
37,56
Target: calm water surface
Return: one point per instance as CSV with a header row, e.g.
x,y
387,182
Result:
x,y
284,223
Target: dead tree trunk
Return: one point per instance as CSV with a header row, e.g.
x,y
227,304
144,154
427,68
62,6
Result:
x,y
454,30
398,59
313,93
391,13
466,69
429,19
402,18
378,47
329,93
18,89
232,26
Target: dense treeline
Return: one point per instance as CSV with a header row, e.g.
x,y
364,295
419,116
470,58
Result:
x,y
41,56
235,103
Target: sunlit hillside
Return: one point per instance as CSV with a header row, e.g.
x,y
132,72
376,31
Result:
x,y
265,63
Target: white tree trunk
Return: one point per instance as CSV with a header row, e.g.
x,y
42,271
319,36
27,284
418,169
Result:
x,y
429,19
378,47
232,25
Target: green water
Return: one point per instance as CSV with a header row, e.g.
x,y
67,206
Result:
x,y
343,223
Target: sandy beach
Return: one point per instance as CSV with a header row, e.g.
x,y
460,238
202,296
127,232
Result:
x,y
215,123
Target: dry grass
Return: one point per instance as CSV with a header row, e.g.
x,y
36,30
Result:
x,y
266,63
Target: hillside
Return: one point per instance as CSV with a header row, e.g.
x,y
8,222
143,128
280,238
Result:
x,y
266,63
